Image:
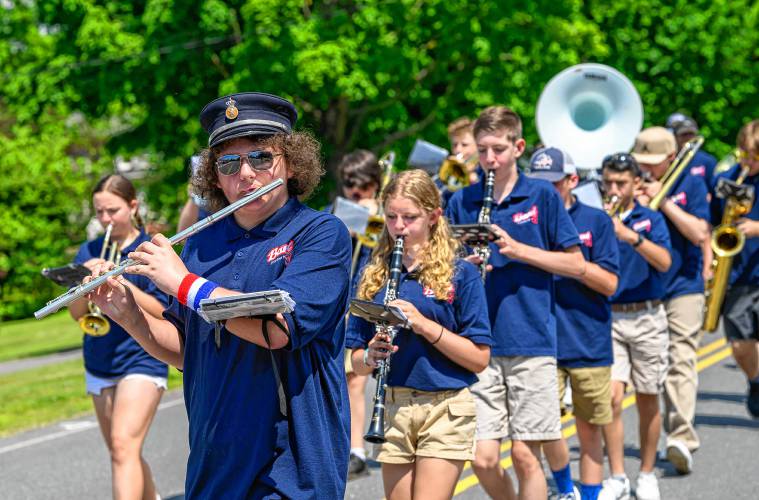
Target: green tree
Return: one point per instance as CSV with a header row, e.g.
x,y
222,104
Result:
x,y
363,73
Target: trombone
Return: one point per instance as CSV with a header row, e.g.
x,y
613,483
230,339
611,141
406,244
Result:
x,y
675,170
93,322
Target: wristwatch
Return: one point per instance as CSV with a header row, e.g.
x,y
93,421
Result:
x,y
640,240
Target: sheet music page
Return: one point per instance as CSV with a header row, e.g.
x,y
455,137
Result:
x,y
353,215
246,305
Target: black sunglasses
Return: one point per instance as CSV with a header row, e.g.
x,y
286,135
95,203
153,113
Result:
x,y
623,160
258,160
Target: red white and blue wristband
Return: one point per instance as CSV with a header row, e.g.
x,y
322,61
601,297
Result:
x,y
193,289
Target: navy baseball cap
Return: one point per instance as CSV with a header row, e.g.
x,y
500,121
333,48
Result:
x,y
679,123
551,164
247,114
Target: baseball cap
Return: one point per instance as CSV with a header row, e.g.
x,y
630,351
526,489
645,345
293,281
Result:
x,y
679,123
653,145
551,164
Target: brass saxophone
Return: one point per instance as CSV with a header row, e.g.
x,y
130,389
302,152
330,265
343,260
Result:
x,y
727,241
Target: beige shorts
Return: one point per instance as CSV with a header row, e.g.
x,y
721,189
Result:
x,y
518,397
591,393
641,344
427,424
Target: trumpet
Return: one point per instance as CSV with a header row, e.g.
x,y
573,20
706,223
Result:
x,y
615,205
727,241
376,222
454,172
82,290
93,322
675,170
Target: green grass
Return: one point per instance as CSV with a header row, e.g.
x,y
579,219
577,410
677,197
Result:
x,y
36,397
30,337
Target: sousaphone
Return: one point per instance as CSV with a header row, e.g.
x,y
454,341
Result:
x,y
589,111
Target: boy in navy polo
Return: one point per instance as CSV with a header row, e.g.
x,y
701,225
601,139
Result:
x,y
740,311
685,210
702,164
266,398
639,325
583,328
517,394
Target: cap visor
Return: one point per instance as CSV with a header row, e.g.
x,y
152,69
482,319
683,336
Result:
x,y
649,159
547,176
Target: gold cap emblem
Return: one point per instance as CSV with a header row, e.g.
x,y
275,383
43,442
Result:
x,y
232,111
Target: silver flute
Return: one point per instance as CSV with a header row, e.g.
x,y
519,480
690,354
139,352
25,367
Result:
x,y
85,288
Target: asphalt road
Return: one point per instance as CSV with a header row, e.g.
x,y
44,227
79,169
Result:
x,y
69,461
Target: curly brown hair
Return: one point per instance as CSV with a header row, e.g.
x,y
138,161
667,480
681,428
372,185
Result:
x,y
301,151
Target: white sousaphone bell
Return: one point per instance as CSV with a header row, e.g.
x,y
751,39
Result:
x,y
589,111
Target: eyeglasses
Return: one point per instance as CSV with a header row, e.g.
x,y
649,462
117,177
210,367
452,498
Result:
x,y
745,155
356,183
258,160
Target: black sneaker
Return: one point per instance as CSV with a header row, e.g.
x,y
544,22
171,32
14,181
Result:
x,y
357,467
753,399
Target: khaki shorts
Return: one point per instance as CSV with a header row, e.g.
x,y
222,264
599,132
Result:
x,y
591,393
518,397
427,424
641,349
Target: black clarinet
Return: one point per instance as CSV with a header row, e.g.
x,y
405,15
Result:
x,y
483,249
376,432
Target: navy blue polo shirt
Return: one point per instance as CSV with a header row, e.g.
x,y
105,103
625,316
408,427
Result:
x,y
745,270
117,353
702,167
583,316
638,280
684,276
520,297
418,364
240,444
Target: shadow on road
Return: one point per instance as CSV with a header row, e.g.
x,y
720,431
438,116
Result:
x,y
723,421
721,396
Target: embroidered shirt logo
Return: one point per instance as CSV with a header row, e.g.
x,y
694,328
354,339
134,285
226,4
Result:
x,y
642,225
430,293
281,252
680,198
699,170
587,239
529,216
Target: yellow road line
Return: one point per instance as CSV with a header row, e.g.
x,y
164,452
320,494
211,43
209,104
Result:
x,y
569,431
711,347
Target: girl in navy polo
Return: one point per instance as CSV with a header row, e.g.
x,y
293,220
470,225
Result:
x,y
430,416
125,382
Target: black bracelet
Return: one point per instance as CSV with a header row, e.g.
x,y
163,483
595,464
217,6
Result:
x,y
640,240
442,329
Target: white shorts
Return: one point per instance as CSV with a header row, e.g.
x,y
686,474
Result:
x,y
95,385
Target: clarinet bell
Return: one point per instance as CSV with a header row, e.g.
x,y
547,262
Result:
x,y
376,432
